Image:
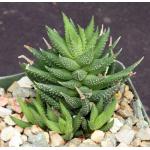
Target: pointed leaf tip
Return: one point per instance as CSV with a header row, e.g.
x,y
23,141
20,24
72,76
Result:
x,y
139,61
47,27
27,47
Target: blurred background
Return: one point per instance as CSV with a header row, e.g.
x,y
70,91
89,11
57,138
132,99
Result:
x,y
24,23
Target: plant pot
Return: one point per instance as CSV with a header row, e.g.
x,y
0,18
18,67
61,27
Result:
x,y
138,108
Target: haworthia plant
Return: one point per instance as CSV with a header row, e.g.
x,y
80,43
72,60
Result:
x,y
75,81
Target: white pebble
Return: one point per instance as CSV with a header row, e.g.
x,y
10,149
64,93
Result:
x,y
143,134
97,136
116,126
109,140
9,121
7,133
16,140
24,138
25,82
125,135
4,112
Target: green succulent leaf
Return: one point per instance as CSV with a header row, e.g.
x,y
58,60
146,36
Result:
x,y
62,124
62,74
85,109
73,40
51,57
71,84
83,38
26,110
54,126
77,122
89,29
101,44
105,115
49,100
103,95
79,75
73,102
107,126
20,123
58,42
39,75
119,76
55,90
51,114
94,113
86,58
69,64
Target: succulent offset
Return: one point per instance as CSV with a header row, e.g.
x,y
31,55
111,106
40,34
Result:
x,y
75,81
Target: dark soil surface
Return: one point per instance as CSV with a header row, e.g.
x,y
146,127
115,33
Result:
x,y
24,23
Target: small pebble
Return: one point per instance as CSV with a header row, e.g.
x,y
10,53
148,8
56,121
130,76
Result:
x,y
2,144
136,142
19,129
56,139
122,88
129,95
118,95
47,136
74,142
88,143
35,129
25,82
16,140
11,100
109,140
4,112
143,134
126,88
125,110
24,138
2,125
117,107
15,107
3,101
125,135
38,140
116,126
7,133
27,131
145,144
142,124
23,92
97,136
9,121
13,87
131,121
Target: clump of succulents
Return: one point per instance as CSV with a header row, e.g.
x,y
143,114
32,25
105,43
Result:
x,y
75,81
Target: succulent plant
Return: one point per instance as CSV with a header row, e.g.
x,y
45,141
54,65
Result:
x,y
76,79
